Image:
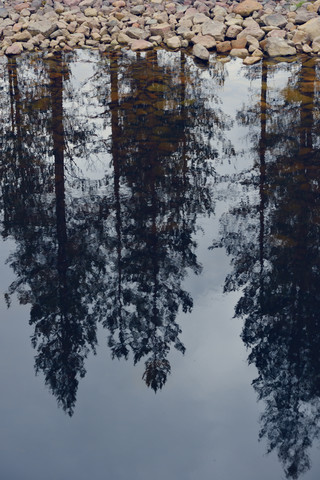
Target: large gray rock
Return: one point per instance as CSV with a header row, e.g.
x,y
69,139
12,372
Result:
x,y
4,13
137,33
215,29
199,51
275,19
278,47
45,27
200,18
304,16
254,31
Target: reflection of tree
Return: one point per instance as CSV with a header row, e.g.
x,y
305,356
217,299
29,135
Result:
x,y
113,250
161,173
52,261
276,261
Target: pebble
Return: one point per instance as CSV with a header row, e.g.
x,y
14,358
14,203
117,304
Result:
x,y
249,29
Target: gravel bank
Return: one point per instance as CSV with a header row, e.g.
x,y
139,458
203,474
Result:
x,y
247,29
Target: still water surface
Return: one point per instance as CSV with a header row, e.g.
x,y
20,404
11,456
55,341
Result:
x,y
167,214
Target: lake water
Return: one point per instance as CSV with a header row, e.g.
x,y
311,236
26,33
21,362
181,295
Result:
x,y
160,268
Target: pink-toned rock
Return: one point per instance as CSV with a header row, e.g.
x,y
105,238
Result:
x,y
138,45
247,7
119,4
277,34
14,49
17,27
205,40
71,3
190,12
160,29
21,6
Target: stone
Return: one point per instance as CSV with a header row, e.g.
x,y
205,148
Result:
x,y
251,60
14,49
199,51
22,36
123,38
255,32
162,29
138,45
137,10
312,28
247,7
4,13
233,31
205,40
215,29
91,12
306,48
275,19
252,41
137,33
304,16
21,6
45,27
161,17
200,18
219,11
257,53
239,52
224,47
316,45
277,34
278,47
239,43
299,37
173,42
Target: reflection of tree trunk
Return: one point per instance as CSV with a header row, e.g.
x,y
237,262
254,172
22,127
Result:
x,y
307,78
116,136
262,153
15,104
56,88
184,143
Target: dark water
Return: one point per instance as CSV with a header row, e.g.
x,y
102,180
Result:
x,y
167,214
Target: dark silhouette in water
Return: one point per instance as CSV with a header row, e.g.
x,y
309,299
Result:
x,y
276,261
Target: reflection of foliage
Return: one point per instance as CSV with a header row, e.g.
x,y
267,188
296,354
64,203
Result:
x,y
162,169
113,250
275,245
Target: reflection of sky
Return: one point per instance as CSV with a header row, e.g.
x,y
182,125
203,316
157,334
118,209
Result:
x,y
202,425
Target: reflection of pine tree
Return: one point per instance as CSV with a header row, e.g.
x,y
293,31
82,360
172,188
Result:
x,y
276,259
114,250
161,173
53,261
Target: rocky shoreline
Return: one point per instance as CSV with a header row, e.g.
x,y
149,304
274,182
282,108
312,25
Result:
x,y
248,29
